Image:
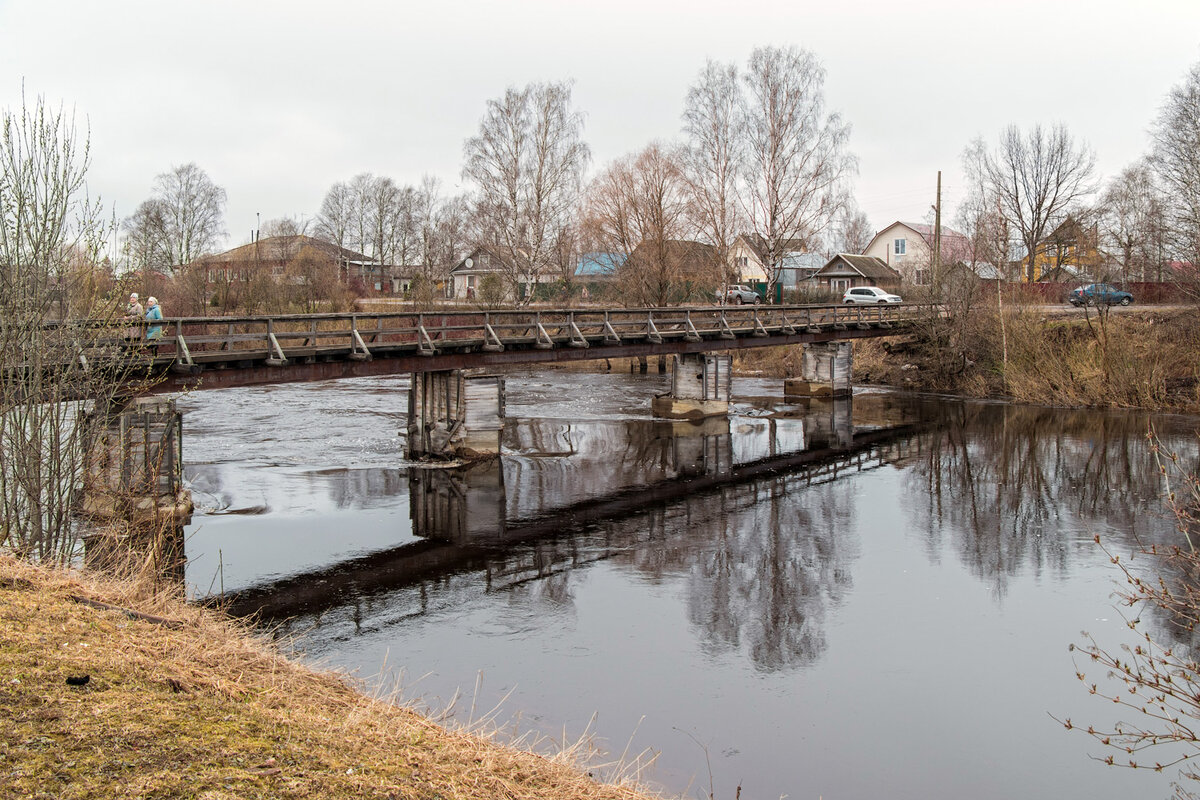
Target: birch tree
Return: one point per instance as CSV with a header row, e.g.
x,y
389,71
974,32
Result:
x,y
1176,161
335,218
796,164
1037,179
526,165
712,116
193,213
1131,214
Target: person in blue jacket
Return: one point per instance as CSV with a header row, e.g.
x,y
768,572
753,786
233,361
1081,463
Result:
x,y
154,332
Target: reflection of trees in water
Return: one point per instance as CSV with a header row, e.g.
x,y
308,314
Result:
x,y
1016,484
763,561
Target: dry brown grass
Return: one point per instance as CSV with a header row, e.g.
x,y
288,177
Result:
x,y
1141,359
204,709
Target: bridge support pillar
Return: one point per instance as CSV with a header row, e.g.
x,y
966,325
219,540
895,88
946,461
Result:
x,y
700,387
466,505
825,371
133,472
451,415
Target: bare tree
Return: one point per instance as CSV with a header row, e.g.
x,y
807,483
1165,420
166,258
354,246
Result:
x,y
712,124
313,282
980,215
1176,161
426,211
796,160
50,234
527,166
851,231
144,244
452,235
193,211
285,226
1037,178
638,207
334,220
361,230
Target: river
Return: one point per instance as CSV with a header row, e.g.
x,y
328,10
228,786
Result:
x,y
852,600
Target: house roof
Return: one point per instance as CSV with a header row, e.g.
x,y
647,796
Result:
x,y
592,265
805,262
955,245
679,251
285,248
495,262
866,266
1063,272
759,245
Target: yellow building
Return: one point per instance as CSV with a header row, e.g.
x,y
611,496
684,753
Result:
x,y
1073,246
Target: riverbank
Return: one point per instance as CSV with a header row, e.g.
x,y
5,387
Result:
x,y
173,700
1143,358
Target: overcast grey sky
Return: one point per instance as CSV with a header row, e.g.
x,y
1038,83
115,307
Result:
x,y
279,100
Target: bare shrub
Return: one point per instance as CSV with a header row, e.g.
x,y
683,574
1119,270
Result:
x,y
51,236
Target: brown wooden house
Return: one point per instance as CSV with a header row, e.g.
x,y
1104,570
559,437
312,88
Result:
x,y
846,270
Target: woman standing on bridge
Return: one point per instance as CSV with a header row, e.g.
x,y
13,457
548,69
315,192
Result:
x,y
154,332
134,310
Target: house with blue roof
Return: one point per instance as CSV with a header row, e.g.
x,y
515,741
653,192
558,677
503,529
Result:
x,y
599,266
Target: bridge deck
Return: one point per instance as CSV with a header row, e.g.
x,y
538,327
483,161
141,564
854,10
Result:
x,y
227,351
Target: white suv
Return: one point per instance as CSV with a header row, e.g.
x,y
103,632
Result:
x,y
869,294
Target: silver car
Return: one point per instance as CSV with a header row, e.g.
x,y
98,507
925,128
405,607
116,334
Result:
x,y
738,293
870,294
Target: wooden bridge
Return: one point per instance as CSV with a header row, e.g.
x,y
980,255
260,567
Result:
x,y
235,351
451,414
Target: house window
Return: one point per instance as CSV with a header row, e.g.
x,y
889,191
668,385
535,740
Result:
x,y
922,277
743,262
899,246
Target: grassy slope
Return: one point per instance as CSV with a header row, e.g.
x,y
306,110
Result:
x,y
204,710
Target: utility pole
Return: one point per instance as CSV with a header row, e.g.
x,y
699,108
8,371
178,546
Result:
x,y
937,234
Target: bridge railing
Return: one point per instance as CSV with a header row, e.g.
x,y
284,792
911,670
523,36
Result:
x,y
278,338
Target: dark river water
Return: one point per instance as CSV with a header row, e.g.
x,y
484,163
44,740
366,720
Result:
x,y
855,600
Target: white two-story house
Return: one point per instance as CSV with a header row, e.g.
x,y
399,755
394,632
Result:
x,y
907,247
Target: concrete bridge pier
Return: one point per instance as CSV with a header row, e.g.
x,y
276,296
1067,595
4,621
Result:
x,y
453,416
700,387
825,371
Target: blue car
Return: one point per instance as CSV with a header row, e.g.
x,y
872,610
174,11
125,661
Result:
x,y
1097,293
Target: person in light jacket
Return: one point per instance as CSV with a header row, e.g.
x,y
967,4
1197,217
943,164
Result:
x,y
154,332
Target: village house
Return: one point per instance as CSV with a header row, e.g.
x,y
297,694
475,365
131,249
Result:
x,y
907,247
1070,253
276,255
467,275
846,270
749,261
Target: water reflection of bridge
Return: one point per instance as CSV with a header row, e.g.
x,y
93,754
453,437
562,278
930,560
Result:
x,y
471,521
